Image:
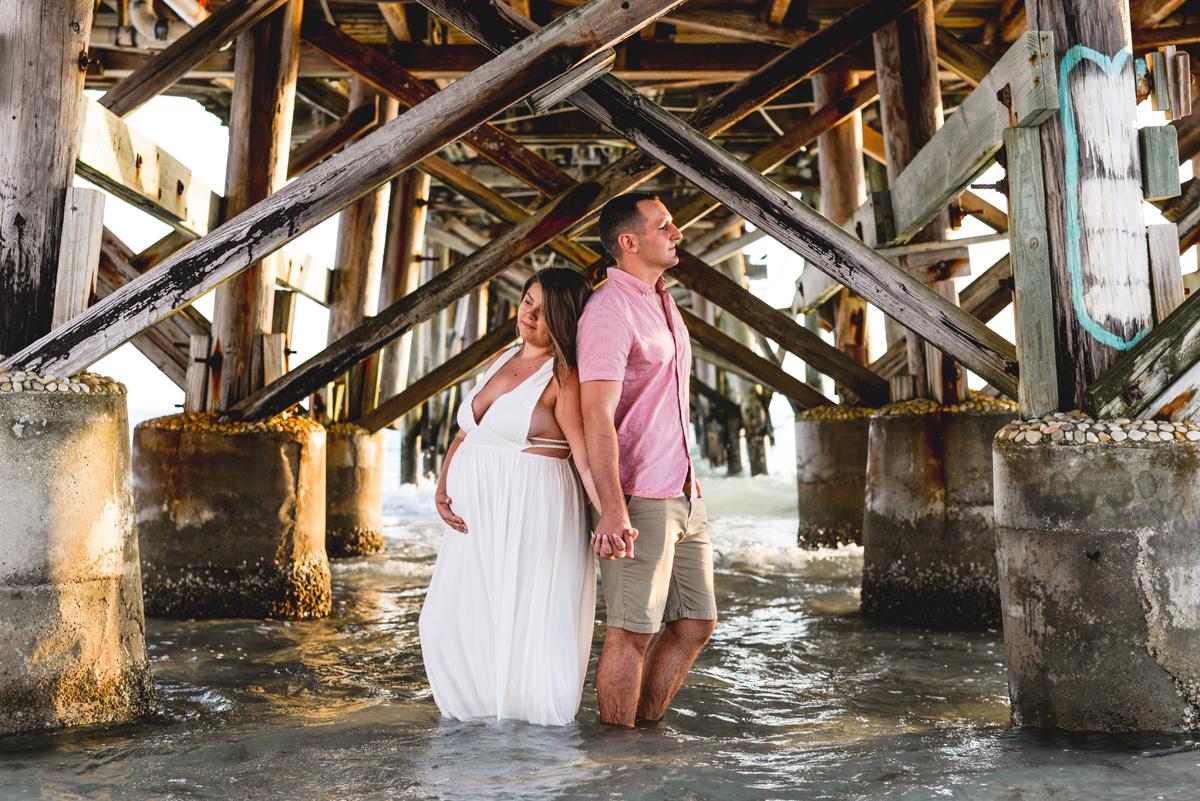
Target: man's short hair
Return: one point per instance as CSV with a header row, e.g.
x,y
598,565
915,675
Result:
x,y
622,216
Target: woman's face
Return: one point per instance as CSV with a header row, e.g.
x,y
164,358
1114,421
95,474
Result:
x,y
531,324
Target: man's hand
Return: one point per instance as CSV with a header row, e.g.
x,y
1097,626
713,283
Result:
x,y
614,536
442,501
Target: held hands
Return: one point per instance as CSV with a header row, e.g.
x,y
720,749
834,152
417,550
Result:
x,y
442,501
614,541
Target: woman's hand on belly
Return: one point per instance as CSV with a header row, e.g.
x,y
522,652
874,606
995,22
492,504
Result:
x,y
442,501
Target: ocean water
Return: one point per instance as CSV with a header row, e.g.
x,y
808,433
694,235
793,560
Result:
x,y
796,697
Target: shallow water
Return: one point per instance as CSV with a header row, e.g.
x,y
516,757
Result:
x,y
797,696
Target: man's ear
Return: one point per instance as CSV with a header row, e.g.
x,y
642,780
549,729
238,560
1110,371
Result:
x,y
628,242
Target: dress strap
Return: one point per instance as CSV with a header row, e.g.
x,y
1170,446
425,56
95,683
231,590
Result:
x,y
561,442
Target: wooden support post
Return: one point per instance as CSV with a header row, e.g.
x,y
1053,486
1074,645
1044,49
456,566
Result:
x,y
79,256
1101,273
843,190
259,140
362,230
1038,388
40,94
195,390
1166,278
402,267
161,72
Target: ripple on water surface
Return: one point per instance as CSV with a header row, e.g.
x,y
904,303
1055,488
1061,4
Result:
x,y
797,696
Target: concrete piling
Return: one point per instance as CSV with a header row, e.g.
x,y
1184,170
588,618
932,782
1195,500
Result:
x,y
232,517
353,491
928,535
1098,573
72,631
831,474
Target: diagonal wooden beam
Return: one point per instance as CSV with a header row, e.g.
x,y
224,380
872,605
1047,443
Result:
x,y
444,376
807,233
333,136
332,185
1143,13
964,60
569,208
166,345
695,207
762,370
389,77
161,72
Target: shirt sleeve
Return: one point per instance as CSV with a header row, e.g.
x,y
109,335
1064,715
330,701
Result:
x,y
602,346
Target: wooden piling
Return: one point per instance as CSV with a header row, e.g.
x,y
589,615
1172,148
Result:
x,y
43,59
1099,254
259,144
910,104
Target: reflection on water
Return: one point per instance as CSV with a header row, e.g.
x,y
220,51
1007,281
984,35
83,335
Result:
x,y
797,696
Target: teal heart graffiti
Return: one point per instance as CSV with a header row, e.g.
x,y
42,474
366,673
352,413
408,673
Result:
x,y
1109,65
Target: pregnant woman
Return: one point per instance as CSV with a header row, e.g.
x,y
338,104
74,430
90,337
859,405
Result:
x,y
507,624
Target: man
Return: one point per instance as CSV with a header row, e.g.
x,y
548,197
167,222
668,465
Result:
x,y
634,364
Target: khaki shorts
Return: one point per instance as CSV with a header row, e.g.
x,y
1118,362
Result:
x,y
671,575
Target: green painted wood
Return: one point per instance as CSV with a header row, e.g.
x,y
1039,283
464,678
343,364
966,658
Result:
x,y
1159,146
1037,391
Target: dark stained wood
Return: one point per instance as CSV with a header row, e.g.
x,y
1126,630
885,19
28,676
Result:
x,y
161,72
407,217
910,107
721,343
390,78
1144,13
452,371
166,345
333,136
985,297
792,337
1150,38
825,118
339,180
260,131
1099,256
963,59
39,92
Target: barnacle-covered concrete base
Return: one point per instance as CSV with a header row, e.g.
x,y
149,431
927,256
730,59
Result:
x,y
1100,580
232,517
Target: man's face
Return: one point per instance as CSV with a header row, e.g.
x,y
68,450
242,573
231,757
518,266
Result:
x,y
656,244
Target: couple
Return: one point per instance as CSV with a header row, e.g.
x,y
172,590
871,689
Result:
x,y
507,623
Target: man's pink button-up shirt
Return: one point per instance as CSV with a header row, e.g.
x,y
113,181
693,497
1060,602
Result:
x,y
623,336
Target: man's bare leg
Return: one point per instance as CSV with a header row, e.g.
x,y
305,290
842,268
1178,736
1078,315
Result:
x,y
619,675
668,664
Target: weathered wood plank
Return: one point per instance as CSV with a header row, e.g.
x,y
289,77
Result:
x,y
79,253
390,78
983,211
962,59
195,389
1100,262
1158,146
1038,387
446,375
695,207
336,182
117,158
759,368
274,360
1166,277
298,270
759,315
161,72
962,148
41,87
326,141
1148,38
1148,13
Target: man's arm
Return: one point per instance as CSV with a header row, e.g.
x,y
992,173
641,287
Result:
x,y
599,401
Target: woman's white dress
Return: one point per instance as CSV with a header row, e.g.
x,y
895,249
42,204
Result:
x,y
507,624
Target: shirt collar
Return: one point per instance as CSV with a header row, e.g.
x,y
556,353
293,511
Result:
x,y
622,278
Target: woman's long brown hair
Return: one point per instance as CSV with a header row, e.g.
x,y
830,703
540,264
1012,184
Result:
x,y
564,293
